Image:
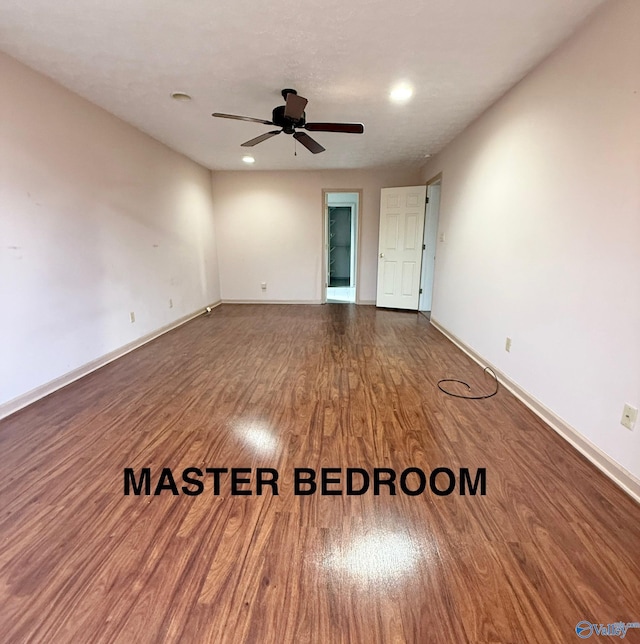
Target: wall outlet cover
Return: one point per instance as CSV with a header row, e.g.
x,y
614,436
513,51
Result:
x,y
629,416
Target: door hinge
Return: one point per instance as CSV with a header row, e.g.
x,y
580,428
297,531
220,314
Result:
x,y
427,200
424,247
420,292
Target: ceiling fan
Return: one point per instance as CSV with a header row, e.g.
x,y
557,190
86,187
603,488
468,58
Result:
x,y
290,116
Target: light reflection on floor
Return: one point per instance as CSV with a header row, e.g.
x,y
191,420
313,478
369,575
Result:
x,y
341,294
258,436
380,557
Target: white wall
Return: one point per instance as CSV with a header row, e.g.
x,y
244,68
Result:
x,y
269,227
96,220
342,198
541,212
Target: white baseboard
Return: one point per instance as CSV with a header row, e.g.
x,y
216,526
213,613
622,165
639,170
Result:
x,y
360,302
618,474
271,302
14,405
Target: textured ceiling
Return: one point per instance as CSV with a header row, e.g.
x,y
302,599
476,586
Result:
x,y
343,55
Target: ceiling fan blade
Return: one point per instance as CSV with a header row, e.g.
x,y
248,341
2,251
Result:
x,y
241,118
350,128
259,139
308,142
294,108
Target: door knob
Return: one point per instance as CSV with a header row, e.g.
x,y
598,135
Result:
x,y
381,254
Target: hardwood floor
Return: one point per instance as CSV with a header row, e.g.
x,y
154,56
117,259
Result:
x,y
552,542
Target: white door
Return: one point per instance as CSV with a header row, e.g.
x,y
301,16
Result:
x,y
400,247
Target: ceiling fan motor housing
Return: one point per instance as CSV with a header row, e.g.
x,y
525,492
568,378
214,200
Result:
x,y
286,123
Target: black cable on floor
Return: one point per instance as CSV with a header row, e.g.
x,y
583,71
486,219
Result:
x,y
462,382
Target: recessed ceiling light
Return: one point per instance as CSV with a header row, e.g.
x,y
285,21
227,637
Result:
x,y
180,96
427,156
401,93
248,159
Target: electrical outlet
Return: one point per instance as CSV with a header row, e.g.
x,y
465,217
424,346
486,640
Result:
x,y
263,286
170,303
132,317
629,416
507,345
442,237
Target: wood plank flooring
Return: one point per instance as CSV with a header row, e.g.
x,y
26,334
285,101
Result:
x,y
552,542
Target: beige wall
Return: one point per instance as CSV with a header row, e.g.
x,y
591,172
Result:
x,y
541,215
269,227
96,220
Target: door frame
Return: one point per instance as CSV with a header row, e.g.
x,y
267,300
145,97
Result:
x,y
325,240
436,179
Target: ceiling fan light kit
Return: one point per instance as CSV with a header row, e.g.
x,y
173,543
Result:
x,y
290,118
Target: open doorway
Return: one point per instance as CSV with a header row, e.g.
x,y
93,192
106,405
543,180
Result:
x,y
429,245
341,210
